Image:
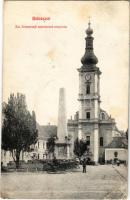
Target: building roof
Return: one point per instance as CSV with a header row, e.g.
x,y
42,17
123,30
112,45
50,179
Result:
x,y
105,117
46,131
118,142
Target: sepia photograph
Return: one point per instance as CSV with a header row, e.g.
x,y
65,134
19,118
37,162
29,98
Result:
x,y
64,132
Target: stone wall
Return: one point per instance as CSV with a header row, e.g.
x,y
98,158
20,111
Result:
x,y
122,154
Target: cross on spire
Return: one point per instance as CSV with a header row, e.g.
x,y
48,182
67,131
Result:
x,y
89,23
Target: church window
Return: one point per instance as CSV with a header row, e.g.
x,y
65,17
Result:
x,y
88,140
115,153
88,89
103,116
88,115
101,141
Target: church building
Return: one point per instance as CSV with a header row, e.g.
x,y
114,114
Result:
x,y
91,122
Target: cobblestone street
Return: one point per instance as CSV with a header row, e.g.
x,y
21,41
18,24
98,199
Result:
x,y
100,182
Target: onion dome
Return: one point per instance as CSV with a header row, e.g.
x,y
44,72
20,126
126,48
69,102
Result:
x,y
89,57
89,30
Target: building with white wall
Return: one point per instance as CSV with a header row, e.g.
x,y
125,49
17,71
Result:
x,y
91,122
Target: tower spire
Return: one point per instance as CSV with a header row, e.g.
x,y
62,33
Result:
x,y
89,23
89,58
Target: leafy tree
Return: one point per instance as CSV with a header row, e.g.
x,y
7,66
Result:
x,y
80,147
18,127
51,145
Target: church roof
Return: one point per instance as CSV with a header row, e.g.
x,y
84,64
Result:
x,y
104,116
118,142
122,133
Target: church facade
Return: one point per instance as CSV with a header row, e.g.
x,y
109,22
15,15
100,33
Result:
x,y
91,123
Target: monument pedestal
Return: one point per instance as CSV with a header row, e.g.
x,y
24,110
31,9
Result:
x,y
62,150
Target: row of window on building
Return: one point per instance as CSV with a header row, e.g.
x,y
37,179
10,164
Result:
x,y
38,145
88,141
88,115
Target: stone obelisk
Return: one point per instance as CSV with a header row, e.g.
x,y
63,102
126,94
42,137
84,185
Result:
x,y
62,148
62,119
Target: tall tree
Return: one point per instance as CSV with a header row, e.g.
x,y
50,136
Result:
x,y
51,145
18,127
80,147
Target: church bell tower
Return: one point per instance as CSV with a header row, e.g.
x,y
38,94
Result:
x,y
89,97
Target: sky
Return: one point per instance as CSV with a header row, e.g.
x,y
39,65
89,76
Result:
x,y
39,61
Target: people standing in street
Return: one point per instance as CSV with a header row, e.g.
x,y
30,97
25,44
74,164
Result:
x,y
84,163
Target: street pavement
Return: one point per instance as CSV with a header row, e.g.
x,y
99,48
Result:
x,y
100,182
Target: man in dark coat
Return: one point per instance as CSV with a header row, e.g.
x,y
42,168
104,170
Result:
x,y
84,163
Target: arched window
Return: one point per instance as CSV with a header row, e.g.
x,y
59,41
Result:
x,y
101,141
88,89
116,154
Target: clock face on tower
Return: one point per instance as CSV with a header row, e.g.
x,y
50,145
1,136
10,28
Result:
x,y
88,77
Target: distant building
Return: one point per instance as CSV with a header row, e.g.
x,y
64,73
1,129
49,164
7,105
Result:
x,y
117,149
37,151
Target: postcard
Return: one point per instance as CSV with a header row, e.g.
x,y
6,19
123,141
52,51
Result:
x,y
65,100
